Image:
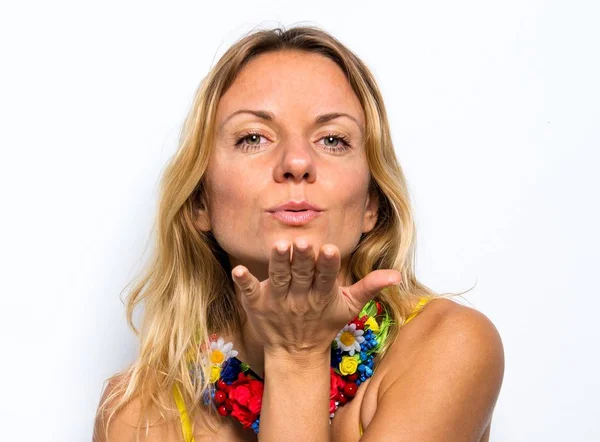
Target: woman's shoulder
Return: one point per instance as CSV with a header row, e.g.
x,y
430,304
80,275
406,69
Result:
x,y
448,354
124,424
444,325
454,321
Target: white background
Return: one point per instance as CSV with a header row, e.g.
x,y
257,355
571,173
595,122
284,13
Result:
x,y
494,109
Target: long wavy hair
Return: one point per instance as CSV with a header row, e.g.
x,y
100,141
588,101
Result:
x,y
186,289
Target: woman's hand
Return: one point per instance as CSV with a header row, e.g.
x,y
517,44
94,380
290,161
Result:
x,y
300,308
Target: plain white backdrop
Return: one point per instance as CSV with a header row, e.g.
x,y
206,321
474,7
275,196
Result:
x,y
494,109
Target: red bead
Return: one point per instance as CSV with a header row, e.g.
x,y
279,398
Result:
x,y
342,398
228,405
221,385
350,389
352,377
220,396
223,411
359,324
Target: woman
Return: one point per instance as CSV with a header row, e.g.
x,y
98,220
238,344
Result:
x,y
277,302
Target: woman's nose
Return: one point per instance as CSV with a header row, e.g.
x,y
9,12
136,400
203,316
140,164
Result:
x,y
295,162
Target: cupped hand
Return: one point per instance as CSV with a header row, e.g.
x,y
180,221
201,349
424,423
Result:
x,y
300,307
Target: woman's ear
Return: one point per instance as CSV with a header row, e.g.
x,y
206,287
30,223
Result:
x,y
371,212
201,216
202,220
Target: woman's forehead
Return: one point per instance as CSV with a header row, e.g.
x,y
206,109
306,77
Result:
x,y
292,84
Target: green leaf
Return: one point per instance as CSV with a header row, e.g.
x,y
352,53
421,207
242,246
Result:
x,y
370,309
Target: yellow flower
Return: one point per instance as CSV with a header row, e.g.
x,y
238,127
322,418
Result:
x,y
215,373
372,324
348,365
217,357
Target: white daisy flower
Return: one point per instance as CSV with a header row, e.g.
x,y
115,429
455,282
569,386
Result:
x,y
220,352
349,339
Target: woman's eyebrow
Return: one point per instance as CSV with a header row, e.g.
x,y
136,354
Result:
x,y
268,116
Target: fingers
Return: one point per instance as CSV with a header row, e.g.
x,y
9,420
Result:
x,y
246,282
303,266
364,290
279,268
327,268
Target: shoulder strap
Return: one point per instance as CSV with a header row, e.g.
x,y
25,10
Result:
x,y
422,302
186,425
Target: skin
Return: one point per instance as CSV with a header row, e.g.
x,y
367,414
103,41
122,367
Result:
x,y
440,378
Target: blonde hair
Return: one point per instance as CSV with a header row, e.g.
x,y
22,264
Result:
x,y
186,289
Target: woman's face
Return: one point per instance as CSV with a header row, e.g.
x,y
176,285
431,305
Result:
x,y
289,148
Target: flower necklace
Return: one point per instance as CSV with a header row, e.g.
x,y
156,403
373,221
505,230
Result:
x,y
237,390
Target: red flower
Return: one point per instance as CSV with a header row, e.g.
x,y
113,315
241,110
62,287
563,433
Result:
x,y
245,396
331,406
337,384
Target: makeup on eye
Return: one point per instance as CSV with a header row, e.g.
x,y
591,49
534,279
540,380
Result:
x,y
332,136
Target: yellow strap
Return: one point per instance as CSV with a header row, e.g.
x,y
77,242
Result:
x,y
424,300
186,425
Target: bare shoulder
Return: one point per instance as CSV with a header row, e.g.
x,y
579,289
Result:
x,y
463,331
444,323
128,424
446,333
442,376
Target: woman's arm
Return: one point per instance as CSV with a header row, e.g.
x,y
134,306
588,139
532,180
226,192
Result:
x,y
296,313
447,389
296,398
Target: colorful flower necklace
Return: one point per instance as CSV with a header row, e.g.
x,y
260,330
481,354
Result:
x,y
237,390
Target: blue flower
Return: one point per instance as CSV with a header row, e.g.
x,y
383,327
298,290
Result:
x,y
369,342
336,357
230,370
255,425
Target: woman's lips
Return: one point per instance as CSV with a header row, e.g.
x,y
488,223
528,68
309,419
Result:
x,y
295,218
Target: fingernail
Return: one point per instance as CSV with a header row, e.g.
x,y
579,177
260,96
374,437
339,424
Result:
x,y
302,245
282,248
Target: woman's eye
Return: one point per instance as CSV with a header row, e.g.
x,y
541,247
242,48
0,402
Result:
x,y
332,142
339,143
249,141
